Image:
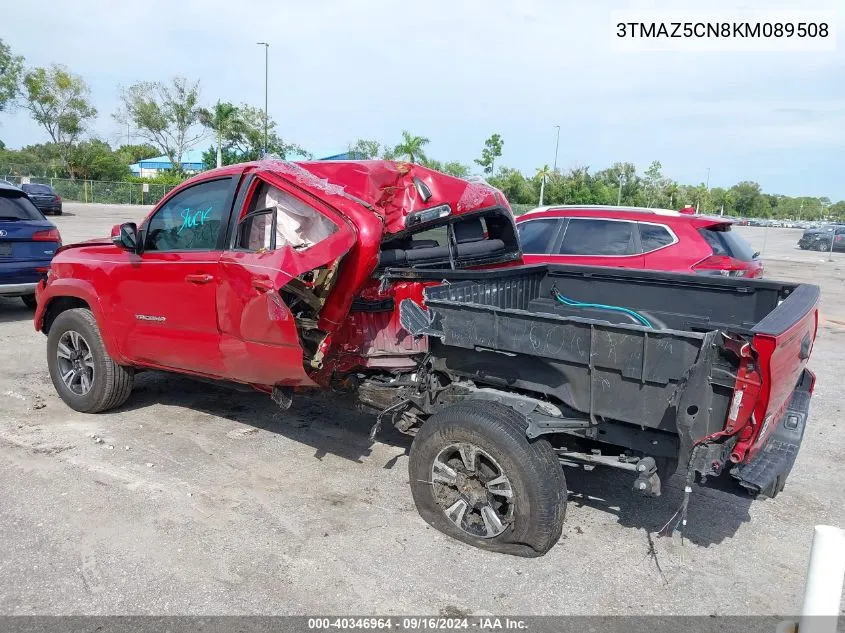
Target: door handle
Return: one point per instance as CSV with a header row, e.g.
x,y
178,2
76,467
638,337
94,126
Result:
x,y
199,278
262,285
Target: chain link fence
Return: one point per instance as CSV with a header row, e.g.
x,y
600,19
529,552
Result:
x,y
99,190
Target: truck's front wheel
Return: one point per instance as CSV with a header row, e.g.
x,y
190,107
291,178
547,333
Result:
x,y
83,373
476,477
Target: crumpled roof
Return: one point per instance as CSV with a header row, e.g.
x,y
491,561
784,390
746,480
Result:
x,y
386,186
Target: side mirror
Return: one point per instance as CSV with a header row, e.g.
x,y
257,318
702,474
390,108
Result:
x,y
125,236
755,255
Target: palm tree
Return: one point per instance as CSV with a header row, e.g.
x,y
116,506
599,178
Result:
x,y
412,147
544,172
223,119
673,191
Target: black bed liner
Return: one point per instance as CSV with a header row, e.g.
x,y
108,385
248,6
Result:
x,y
504,327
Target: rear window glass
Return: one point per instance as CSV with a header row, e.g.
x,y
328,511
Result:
x,y
654,236
598,237
723,241
18,208
535,235
437,236
35,188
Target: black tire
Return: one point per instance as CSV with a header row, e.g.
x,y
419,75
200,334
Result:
x,y
821,246
535,475
29,301
110,383
57,212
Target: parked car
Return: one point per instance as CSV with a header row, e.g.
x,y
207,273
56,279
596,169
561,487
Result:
x,y
279,276
44,197
633,237
819,239
27,243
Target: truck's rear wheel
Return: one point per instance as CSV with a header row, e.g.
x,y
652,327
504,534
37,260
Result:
x,y
476,477
84,375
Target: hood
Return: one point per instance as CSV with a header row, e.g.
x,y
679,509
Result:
x,y
393,190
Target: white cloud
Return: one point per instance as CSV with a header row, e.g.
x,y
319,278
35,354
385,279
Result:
x,y
457,71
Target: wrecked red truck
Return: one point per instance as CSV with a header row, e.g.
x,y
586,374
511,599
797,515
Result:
x,y
404,288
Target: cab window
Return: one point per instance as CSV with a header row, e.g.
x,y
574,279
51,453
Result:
x,y
192,219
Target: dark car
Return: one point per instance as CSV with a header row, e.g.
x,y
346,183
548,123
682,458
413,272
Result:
x,y
27,243
819,239
44,197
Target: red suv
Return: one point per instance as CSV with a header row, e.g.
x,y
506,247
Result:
x,y
633,237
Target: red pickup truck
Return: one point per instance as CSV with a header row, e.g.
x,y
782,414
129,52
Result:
x,y
402,287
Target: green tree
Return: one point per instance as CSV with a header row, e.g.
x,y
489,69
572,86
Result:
x,y
59,101
223,120
455,168
750,202
623,179
130,154
94,160
209,157
673,193
723,201
165,115
365,149
837,210
543,174
699,197
247,139
412,148
513,184
11,69
492,150
42,160
654,184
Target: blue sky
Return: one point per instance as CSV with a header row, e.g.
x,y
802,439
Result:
x,y
457,71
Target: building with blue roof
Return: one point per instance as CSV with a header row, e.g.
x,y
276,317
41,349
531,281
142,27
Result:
x,y
151,167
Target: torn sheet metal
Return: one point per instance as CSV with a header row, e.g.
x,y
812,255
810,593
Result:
x,y
386,187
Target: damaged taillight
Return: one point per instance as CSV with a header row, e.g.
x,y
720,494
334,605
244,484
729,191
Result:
x,y
721,265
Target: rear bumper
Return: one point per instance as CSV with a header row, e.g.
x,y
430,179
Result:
x,y
766,474
44,205
17,290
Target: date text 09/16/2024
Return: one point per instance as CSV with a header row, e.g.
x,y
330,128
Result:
x,y
479,623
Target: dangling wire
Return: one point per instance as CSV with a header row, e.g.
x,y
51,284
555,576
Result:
x,y
599,306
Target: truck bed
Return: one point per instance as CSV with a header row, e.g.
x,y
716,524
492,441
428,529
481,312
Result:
x,y
675,376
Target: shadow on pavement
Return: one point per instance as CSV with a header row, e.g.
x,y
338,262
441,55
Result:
x,y
713,514
327,421
331,424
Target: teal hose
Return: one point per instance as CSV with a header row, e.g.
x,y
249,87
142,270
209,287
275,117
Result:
x,y
579,304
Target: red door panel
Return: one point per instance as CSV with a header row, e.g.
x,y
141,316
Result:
x,y
167,301
259,339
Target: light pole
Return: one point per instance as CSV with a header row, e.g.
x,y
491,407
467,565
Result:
x,y
619,197
557,143
266,46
